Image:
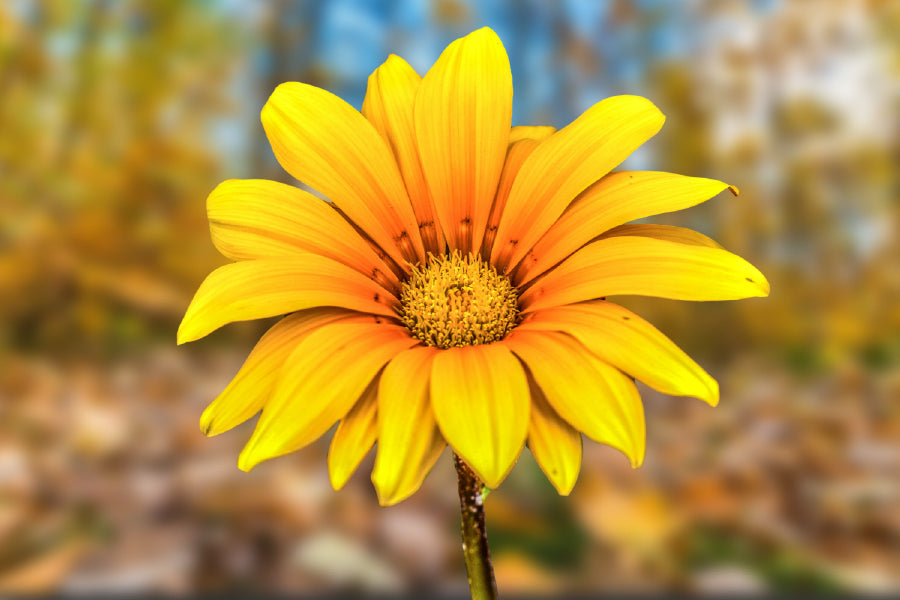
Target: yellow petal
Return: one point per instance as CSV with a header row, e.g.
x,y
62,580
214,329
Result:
x,y
589,394
530,132
629,343
409,441
255,289
555,445
682,235
354,437
615,199
645,267
515,156
324,142
249,390
389,106
463,115
256,218
320,381
480,400
565,164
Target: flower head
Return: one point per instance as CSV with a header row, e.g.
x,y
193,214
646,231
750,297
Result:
x,y
452,290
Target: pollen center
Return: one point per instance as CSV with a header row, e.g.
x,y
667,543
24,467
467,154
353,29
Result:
x,y
458,301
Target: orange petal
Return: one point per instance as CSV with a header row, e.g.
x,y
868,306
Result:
x,y
528,139
463,115
254,289
629,343
251,387
589,394
320,381
614,200
256,218
389,105
565,164
409,441
354,437
480,400
324,142
645,267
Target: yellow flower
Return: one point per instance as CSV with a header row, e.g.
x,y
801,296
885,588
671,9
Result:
x,y
453,289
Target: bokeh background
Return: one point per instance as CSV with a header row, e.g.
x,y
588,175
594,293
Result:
x,y
118,117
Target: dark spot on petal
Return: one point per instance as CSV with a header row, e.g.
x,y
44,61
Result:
x,y
750,280
626,318
377,297
513,242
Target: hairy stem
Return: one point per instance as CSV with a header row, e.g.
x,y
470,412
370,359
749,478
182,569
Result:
x,y
474,535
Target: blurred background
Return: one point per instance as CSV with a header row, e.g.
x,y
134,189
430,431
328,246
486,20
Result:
x,y
118,118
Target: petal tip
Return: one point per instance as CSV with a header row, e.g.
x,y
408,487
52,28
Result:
x,y
184,335
490,475
635,452
387,498
206,426
210,426
564,488
638,459
654,111
762,285
277,99
388,492
338,480
494,478
393,59
392,66
248,458
713,397
340,468
190,330
484,31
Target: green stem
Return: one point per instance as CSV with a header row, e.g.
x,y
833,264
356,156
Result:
x,y
474,535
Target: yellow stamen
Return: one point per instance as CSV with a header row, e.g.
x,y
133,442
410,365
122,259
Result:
x,y
458,301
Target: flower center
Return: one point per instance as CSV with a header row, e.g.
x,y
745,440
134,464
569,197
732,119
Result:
x,y
458,301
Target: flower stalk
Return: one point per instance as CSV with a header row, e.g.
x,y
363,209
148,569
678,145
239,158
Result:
x,y
474,534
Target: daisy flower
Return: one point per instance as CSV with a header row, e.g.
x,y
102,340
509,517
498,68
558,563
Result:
x,y
452,290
